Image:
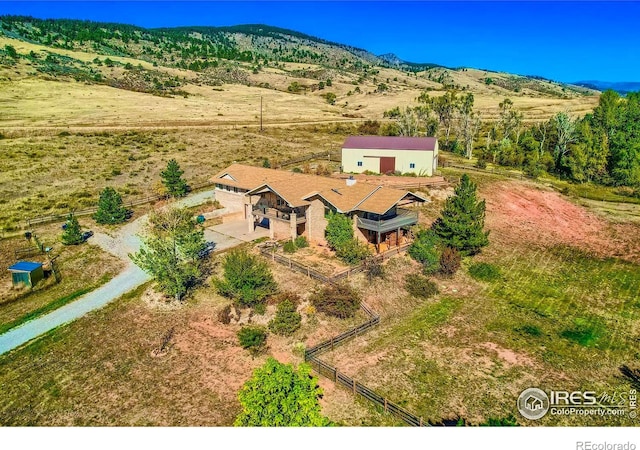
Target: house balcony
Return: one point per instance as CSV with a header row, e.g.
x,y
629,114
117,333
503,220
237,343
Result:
x,y
403,219
279,214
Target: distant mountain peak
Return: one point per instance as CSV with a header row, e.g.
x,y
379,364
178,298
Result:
x,y
391,58
621,87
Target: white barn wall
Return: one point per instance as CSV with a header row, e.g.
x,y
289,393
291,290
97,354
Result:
x,y
425,160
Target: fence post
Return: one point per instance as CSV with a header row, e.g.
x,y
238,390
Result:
x,y
385,404
420,421
335,374
354,386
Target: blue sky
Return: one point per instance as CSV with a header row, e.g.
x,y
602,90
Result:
x,y
565,41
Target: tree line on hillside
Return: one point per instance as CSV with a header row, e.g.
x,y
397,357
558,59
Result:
x,y
601,147
193,48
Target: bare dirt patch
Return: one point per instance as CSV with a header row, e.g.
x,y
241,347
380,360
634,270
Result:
x,y
157,300
527,213
509,357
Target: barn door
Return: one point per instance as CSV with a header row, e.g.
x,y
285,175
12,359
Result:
x,y
387,164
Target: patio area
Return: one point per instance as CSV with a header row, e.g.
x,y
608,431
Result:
x,y
232,234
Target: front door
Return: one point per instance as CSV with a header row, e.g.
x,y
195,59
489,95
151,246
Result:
x,y
387,164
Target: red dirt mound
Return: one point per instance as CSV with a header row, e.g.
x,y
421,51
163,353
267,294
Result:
x,y
521,213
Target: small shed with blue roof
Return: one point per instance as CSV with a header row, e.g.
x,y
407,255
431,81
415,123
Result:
x,y
27,273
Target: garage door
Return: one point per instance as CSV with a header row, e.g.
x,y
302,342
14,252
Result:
x,y
387,164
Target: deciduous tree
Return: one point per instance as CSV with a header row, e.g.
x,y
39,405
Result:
x,y
279,395
170,251
565,128
468,123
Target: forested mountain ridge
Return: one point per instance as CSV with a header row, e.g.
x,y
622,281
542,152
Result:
x,y
195,47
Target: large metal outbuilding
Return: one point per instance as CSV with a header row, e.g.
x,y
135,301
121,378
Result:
x,y
388,154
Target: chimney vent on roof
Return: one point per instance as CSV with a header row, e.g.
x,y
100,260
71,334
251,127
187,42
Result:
x,y
351,181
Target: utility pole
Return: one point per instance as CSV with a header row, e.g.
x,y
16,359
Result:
x,y
261,129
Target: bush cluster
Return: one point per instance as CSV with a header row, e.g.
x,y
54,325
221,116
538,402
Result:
x,y
287,319
295,244
420,286
425,249
247,279
289,247
336,300
253,338
339,235
353,252
449,261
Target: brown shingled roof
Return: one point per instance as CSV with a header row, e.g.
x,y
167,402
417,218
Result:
x,y
390,143
298,189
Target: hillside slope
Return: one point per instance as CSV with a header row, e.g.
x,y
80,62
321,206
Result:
x,y
78,73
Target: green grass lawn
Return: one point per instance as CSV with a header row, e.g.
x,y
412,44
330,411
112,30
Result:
x,y
593,191
555,319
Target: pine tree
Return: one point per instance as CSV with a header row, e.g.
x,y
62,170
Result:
x,y
172,179
72,234
462,220
110,208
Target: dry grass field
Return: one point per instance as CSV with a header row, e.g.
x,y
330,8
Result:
x,y
100,370
81,267
45,172
29,99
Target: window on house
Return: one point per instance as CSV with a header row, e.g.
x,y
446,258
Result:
x,y
359,163
412,165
